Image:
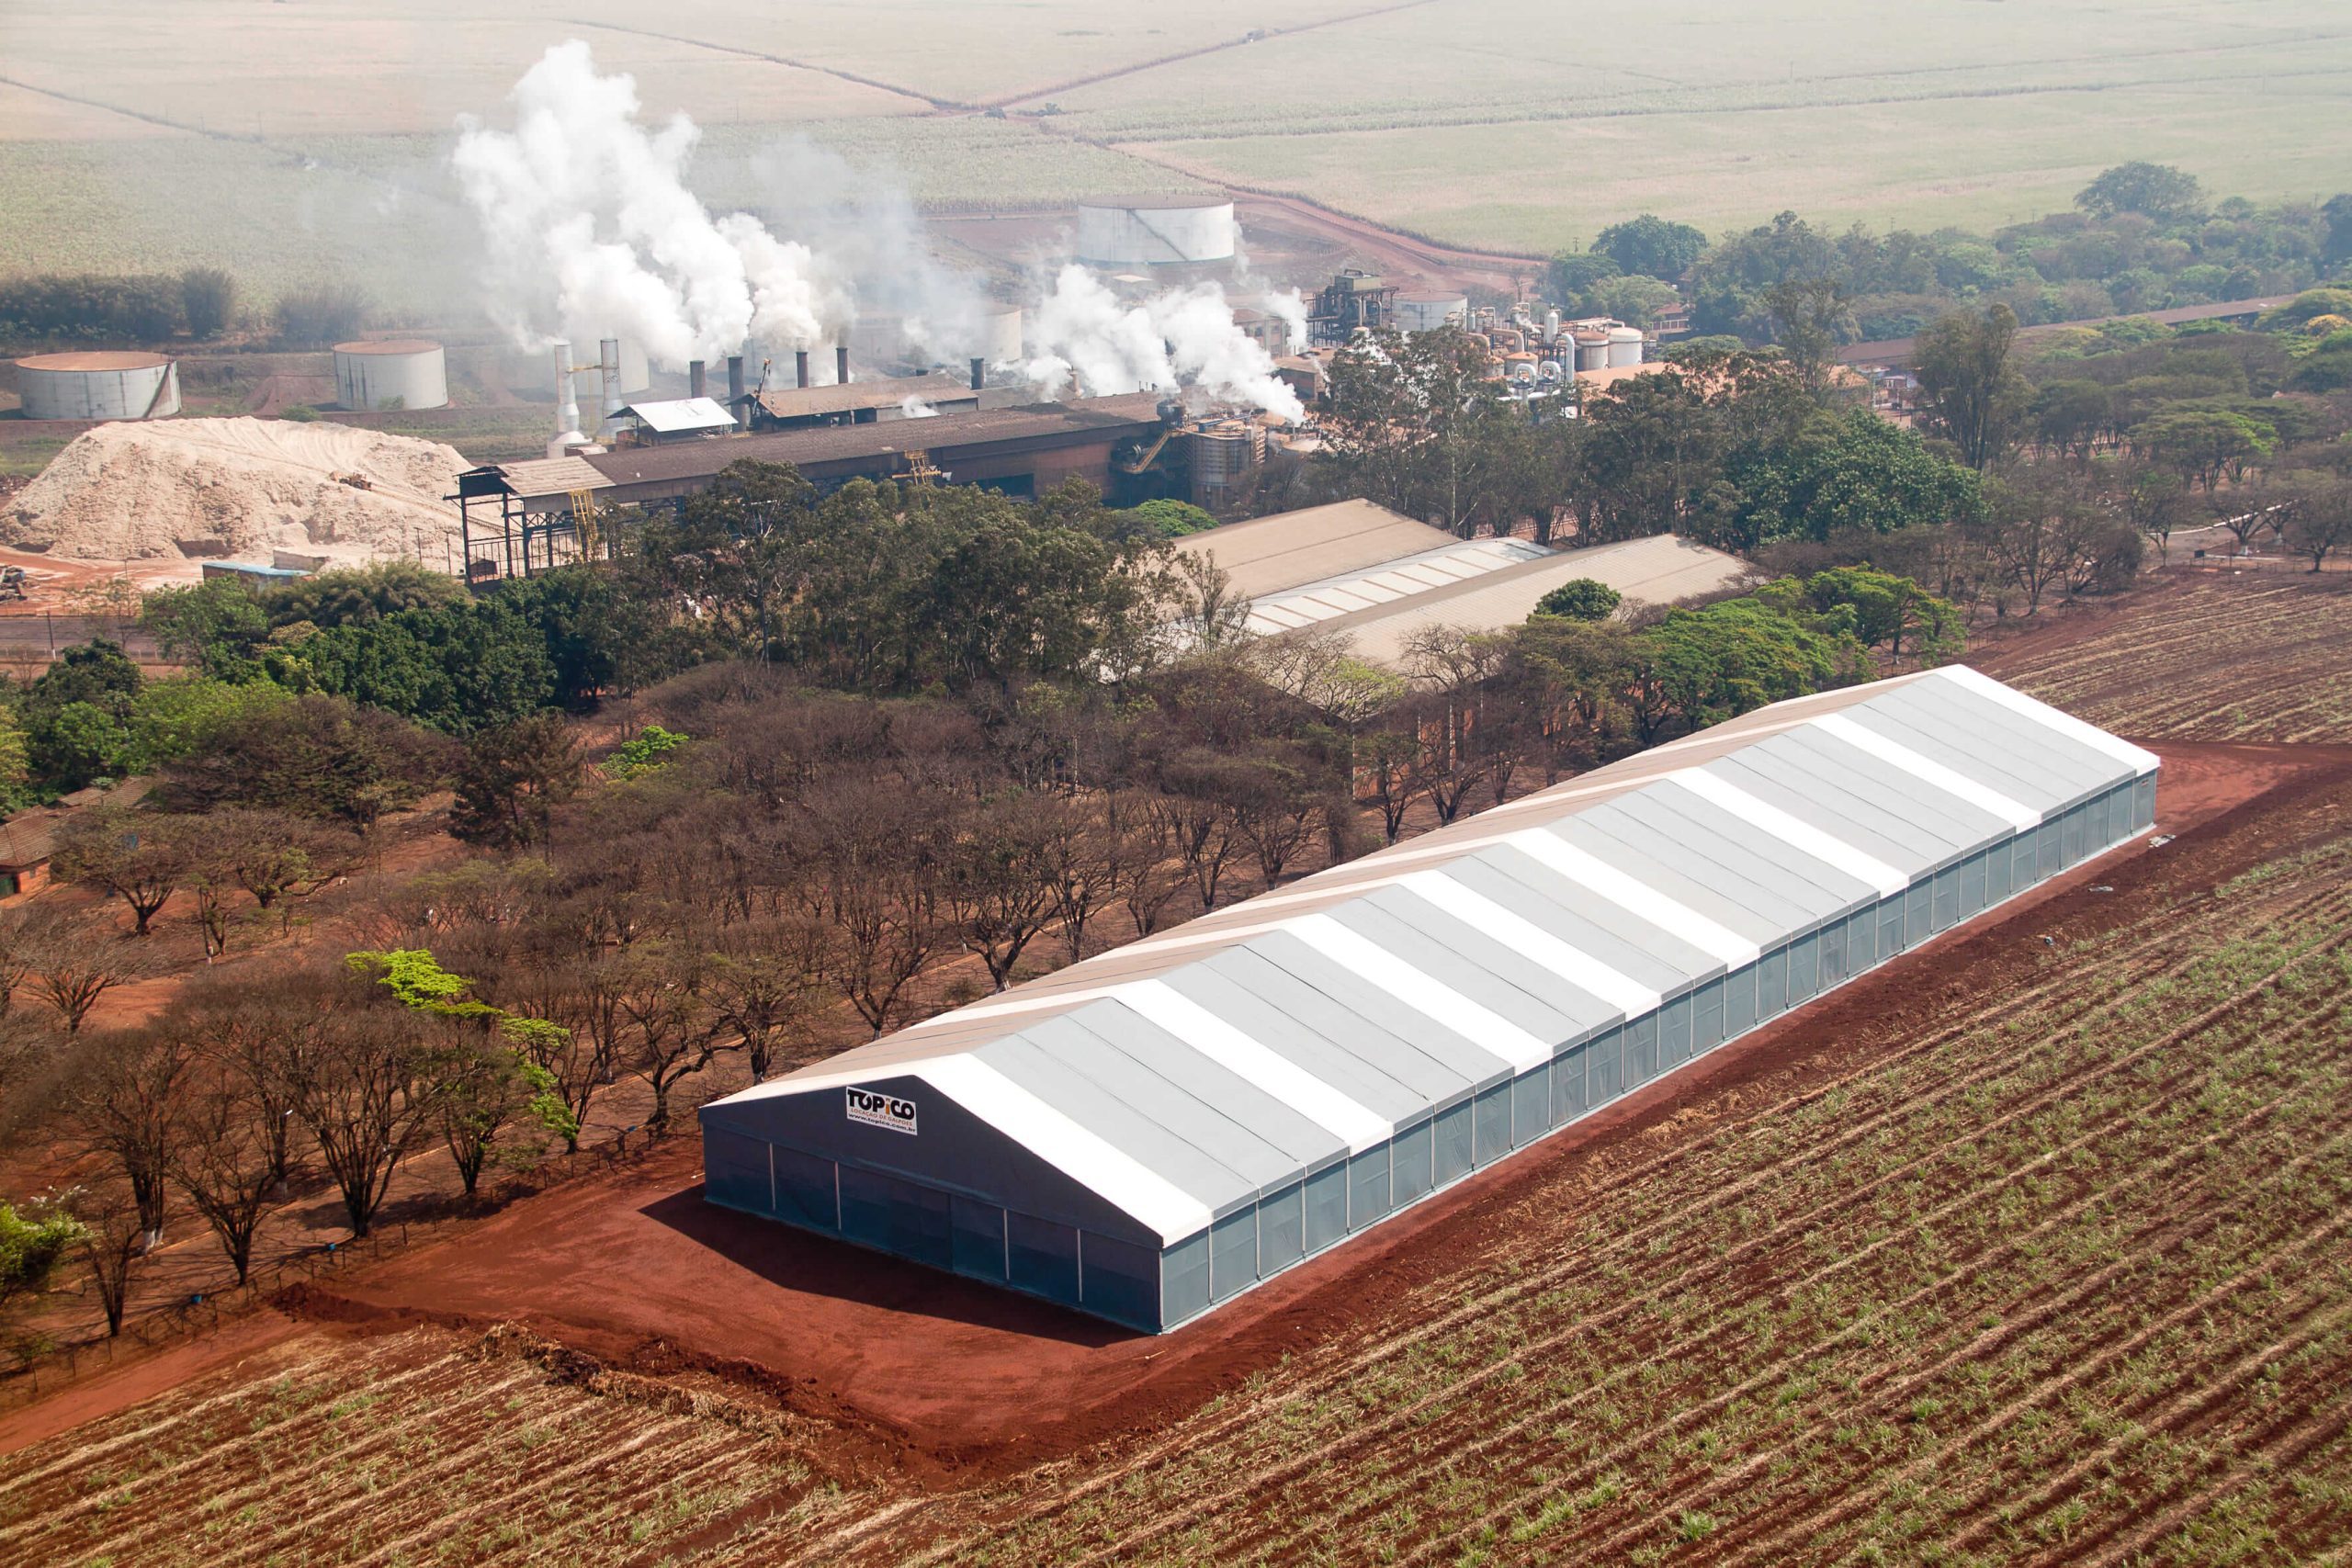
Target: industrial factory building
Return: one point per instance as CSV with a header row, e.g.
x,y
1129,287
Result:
x,y
1361,570
1147,1135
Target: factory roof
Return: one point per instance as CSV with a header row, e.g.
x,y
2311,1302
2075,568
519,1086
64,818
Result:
x,y
1184,1076
540,476
1663,569
677,415
1089,418
847,397
1268,555
1411,577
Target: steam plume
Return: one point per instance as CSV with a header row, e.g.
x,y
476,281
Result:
x,y
1178,337
581,195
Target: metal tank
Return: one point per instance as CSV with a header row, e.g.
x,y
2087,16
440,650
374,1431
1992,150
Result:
x,y
1001,334
1225,454
105,385
1157,230
408,373
1624,345
1592,350
1428,310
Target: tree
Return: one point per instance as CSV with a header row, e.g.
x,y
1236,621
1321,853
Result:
x,y
113,1232
672,1030
362,595
1652,246
512,778
140,857
1174,519
2322,525
1701,667
1580,599
33,1242
315,757
1889,610
358,1075
1972,391
2071,416
2153,190
129,1107
207,301
1571,272
229,1160
998,881
69,965
760,982
2200,445
215,625
1811,316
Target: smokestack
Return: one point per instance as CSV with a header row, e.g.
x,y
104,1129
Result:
x,y
567,405
735,403
980,372
800,368
608,356
840,362
696,386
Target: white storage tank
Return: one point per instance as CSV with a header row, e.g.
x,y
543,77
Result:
x,y
98,385
1155,230
1001,334
1624,345
406,372
1592,350
1425,310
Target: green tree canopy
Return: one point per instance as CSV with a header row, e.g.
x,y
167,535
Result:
x,y
1580,599
1652,246
2153,190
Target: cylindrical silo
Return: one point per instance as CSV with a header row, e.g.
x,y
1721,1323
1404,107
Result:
x,y
1425,310
1592,350
1624,345
102,385
1155,230
405,373
1000,334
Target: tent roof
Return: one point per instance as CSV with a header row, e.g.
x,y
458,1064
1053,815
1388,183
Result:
x,y
1182,1075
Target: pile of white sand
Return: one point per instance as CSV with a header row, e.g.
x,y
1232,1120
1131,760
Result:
x,y
242,488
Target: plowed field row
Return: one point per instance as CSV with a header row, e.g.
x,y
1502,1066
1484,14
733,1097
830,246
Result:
x,y
405,1450
2199,659
2033,1196
1798,1150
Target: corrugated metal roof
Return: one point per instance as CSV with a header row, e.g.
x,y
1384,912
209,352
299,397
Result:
x,y
541,477
1455,561
673,415
1665,570
1182,1075
808,402
1289,549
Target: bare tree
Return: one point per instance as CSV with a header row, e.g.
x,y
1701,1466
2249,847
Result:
x,y
113,1234
69,965
2322,523
127,1108
875,883
997,880
140,857
760,981
358,1073
229,1160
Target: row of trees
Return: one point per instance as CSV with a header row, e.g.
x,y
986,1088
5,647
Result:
x,y
2141,237
202,303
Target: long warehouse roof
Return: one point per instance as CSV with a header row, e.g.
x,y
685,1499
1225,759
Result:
x,y
1182,1076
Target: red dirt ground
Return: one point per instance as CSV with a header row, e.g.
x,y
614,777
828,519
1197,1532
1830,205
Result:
x,y
937,1374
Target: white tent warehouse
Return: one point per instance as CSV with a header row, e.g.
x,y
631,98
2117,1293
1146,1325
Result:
x,y
1147,1133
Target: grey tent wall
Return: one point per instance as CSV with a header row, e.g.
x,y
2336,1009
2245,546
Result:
x,y
1035,1233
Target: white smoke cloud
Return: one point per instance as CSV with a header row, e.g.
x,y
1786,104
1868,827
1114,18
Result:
x,y
1179,337
1290,306
912,407
591,231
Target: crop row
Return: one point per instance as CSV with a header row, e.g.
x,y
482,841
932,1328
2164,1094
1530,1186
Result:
x,y
1868,1220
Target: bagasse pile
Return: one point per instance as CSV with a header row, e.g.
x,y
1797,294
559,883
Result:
x,y
132,491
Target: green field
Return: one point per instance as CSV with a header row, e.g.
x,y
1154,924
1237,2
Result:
x,y
294,141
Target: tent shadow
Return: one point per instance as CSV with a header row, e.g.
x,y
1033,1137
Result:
x,y
808,1264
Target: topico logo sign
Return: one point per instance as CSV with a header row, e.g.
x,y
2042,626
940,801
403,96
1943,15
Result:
x,y
882,1110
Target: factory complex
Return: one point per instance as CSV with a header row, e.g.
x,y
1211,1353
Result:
x,y
1146,1135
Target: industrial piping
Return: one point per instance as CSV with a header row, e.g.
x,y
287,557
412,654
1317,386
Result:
x,y
735,403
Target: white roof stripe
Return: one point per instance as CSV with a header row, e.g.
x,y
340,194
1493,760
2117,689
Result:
x,y
1385,971
1066,1144
2042,714
1801,836
1531,941
1158,1003
1636,898
1929,772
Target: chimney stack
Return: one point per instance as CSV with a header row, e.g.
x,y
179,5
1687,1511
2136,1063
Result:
x,y
840,362
697,387
800,368
735,403
567,404
980,372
